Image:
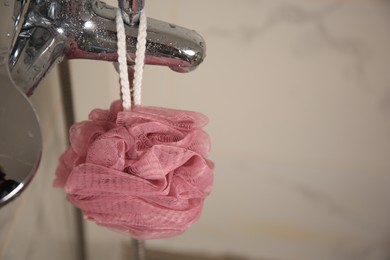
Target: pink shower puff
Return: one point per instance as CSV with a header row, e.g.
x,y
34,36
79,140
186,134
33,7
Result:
x,y
143,172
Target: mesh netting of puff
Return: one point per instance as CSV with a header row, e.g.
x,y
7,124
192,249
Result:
x,y
144,172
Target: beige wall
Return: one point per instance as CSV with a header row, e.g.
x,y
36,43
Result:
x,y
298,94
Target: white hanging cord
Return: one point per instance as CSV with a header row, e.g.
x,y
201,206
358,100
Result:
x,y
139,60
140,57
122,60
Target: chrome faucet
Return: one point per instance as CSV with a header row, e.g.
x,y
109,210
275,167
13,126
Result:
x,y
37,34
49,30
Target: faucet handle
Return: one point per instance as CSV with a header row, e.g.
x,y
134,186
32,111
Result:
x,y
20,137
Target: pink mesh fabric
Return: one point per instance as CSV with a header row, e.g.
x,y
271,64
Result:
x,y
142,172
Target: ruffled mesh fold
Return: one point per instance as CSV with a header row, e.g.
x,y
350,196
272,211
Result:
x,y
144,172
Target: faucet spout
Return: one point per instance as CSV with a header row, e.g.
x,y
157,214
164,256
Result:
x,y
54,29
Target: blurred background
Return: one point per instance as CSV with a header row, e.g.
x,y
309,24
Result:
x,y
298,96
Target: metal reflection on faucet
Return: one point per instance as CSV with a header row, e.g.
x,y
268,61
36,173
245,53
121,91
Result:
x,y
189,52
89,25
60,30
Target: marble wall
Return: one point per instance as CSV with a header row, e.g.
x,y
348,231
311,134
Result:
x,y
298,95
